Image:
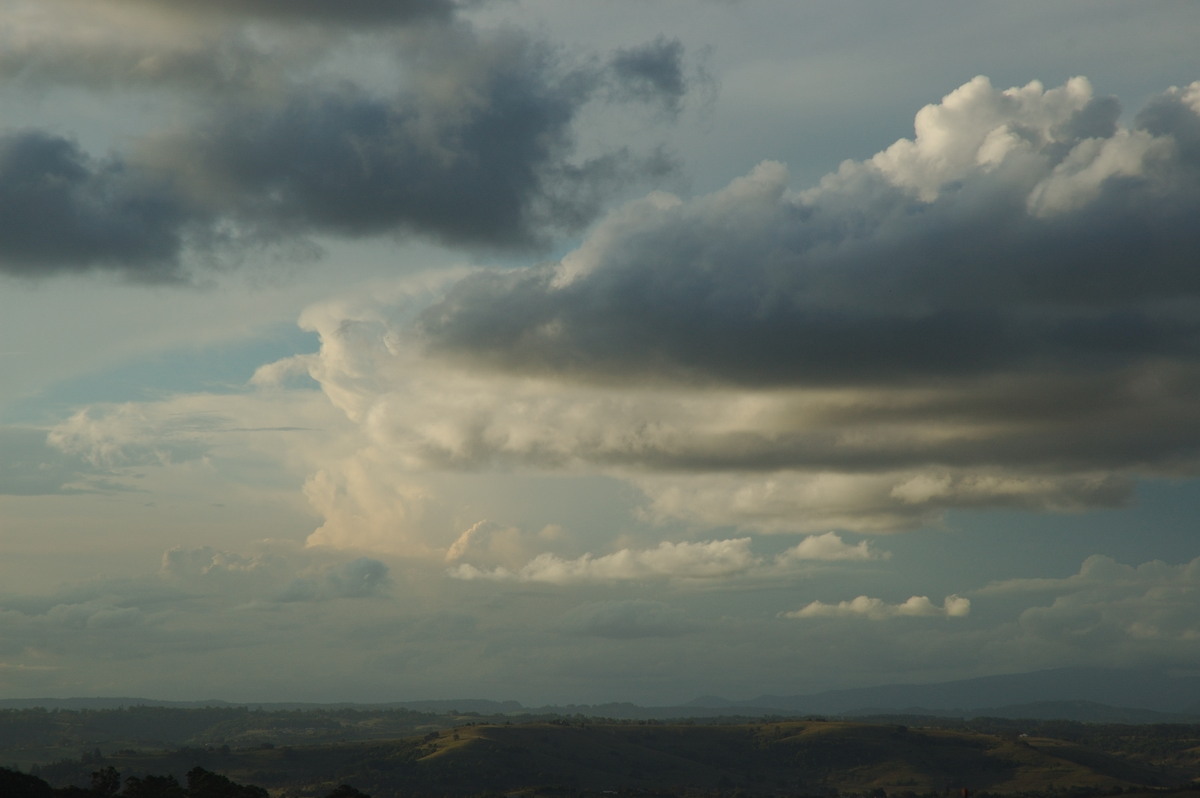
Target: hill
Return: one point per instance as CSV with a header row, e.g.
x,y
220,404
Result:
x,y
792,758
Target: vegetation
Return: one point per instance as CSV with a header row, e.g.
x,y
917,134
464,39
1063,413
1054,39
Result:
x,y
467,756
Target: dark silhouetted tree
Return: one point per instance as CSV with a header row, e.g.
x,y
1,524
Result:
x,y
15,784
106,781
153,787
346,791
203,783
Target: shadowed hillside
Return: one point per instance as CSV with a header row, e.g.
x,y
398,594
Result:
x,y
784,758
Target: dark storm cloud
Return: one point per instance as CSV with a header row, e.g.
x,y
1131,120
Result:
x,y
478,154
61,210
1075,249
352,164
653,72
477,150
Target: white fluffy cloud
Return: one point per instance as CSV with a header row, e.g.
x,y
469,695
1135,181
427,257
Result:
x,y
878,610
829,547
684,561
707,560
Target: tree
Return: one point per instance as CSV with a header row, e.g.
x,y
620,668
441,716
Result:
x,y
346,791
153,787
15,784
203,783
106,781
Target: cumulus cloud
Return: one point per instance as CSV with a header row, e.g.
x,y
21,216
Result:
x,y
1003,237
714,559
829,547
706,560
999,311
1107,613
878,610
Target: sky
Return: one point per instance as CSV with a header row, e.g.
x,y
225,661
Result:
x,y
569,353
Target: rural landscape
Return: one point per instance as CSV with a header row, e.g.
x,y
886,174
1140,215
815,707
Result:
x,y
124,747
632,398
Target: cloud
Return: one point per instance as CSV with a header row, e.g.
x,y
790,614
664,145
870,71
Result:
x,y
783,460
707,560
829,547
276,573
878,610
132,434
359,578
714,559
63,211
477,151
1004,237
359,12
1107,613
463,136
998,312
30,467
870,501
628,619
117,47
652,72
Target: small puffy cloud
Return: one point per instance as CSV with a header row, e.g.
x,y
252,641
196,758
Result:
x,y
714,559
621,620
829,547
708,560
878,610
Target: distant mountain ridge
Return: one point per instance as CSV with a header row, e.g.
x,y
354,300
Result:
x,y
1105,695
1155,691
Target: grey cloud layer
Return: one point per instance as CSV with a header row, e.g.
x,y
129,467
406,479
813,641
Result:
x,y
63,211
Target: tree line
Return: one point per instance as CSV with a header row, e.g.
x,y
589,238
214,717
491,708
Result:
x,y
107,783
